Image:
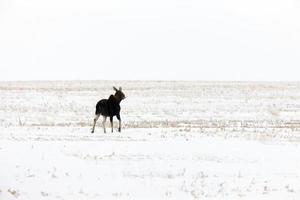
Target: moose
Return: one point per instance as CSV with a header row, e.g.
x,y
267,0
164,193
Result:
x,y
109,108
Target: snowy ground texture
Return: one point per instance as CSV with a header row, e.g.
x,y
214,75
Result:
x,y
180,140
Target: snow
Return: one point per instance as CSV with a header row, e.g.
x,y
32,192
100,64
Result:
x,y
181,140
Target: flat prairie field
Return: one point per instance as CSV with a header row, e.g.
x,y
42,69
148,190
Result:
x,y
179,140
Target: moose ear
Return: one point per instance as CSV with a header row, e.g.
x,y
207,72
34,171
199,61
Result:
x,y
115,89
120,88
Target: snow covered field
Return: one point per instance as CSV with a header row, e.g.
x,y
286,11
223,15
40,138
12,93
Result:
x,y
180,140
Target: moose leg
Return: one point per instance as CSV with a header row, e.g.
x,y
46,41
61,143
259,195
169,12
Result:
x,y
103,123
111,124
119,118
95,120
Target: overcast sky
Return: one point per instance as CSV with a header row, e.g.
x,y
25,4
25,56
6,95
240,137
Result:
x,y
157,39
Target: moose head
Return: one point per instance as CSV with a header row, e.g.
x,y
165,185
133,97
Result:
x,y
119,94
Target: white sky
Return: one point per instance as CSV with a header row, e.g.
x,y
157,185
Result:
x,y
157,39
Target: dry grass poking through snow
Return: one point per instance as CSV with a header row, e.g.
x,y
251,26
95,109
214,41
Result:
x,y
202,140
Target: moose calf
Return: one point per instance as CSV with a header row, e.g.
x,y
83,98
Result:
x,y
109,108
